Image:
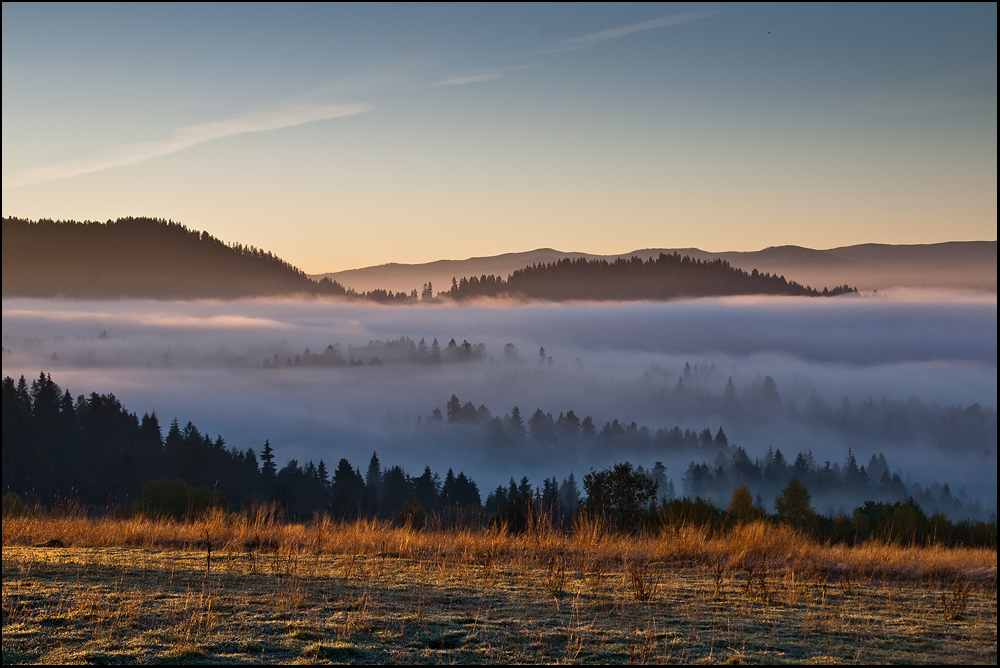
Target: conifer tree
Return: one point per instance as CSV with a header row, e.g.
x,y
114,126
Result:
x,y
268,469
373,477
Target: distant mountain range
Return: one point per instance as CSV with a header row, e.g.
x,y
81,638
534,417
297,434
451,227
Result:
x,y
957,264
150,258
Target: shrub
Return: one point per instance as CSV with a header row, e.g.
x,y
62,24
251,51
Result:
x,y
13,506
795,503
899,522
696,512
741,507
178,500
620,493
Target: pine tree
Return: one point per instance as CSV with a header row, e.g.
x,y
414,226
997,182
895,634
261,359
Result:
x,y
516,423
729,396
268,469
373,478
323,475
569,493
454,408
448,496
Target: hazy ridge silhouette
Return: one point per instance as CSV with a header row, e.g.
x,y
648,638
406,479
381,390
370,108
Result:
x,y
141,257
153,258
959,264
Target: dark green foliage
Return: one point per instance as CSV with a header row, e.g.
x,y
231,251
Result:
x,y
697,512
896,522
905,523
794,504
178,500
460,491
620,493
741,506
515,506
349,494
397,490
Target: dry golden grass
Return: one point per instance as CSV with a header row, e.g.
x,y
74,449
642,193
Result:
x,y
248,588
756,543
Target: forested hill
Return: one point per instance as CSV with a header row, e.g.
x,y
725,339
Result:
x,y
159,259
141,257
664,277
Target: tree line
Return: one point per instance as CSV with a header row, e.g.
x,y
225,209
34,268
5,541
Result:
x,y
93,451
716,466
664,277
155,258
375,353
141,257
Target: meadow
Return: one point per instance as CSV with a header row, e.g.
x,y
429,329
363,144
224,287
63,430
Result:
x,y
248,587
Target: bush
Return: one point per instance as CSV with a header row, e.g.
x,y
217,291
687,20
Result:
x,y
13,506
795,504
177,499
696,512
620,493
741,508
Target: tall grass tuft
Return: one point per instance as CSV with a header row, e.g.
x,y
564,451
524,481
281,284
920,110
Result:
x,y
261,535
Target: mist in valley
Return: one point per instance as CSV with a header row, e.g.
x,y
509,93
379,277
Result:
x,y
911,376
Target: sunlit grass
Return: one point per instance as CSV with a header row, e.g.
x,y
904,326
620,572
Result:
x,y
249,588
259,532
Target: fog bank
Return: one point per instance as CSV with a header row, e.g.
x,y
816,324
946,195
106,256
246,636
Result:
x,y
230,367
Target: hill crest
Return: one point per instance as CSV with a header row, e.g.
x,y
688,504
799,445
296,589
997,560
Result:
x,y
969,265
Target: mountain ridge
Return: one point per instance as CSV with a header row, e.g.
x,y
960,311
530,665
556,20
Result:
x,y
953,264
152,258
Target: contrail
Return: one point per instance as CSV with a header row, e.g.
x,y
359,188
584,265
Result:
x,y
285,116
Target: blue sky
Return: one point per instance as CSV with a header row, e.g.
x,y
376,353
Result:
x,y
344,136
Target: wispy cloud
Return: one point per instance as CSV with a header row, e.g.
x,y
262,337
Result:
x,y
481,75
467,79
286,115
622,31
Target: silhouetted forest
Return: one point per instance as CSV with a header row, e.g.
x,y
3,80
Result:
x,y
716,466
695,392
665,277
154,258
147,258
376,353
140,257
93,451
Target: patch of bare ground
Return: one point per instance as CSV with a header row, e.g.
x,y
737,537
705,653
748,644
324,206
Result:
x,y
245,588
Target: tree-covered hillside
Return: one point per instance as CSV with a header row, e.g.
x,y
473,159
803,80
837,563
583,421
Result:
x,y
160,259
142,258
664,277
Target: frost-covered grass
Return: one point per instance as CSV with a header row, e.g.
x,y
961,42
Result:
x,y
137,590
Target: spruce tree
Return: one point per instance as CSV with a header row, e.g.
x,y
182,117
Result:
x,y
268,469
373,477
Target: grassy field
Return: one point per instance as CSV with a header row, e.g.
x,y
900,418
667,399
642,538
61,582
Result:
x,y
249,589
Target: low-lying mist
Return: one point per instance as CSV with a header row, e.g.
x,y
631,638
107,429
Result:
x,y
331,379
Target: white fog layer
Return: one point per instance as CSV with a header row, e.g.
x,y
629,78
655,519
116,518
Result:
x,y
241,369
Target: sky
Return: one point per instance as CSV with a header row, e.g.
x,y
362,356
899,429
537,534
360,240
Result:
x,y
347,136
